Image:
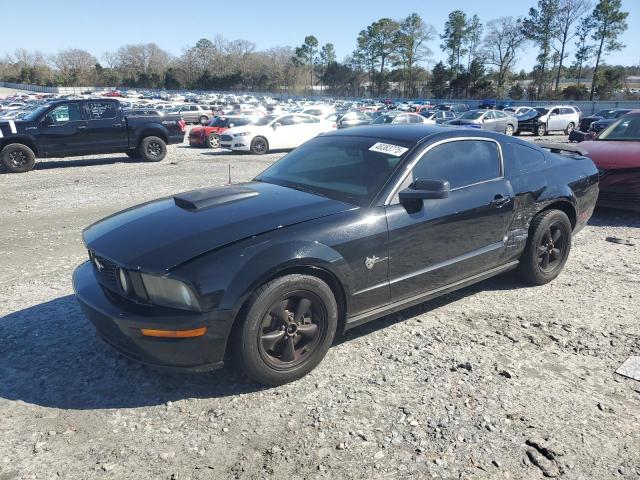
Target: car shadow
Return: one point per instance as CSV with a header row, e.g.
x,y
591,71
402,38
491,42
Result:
x,y
50,356
81,162
506,281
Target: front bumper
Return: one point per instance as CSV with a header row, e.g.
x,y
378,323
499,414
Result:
x,y
118,322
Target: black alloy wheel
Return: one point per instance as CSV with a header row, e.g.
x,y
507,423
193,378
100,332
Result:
x,y
551,248
259,146
547,247
291,330
285,329
154,149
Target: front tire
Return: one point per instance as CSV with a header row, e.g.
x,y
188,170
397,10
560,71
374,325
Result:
x,y
548,247
509,130
259,146
287,330
17,158
541,130
153,149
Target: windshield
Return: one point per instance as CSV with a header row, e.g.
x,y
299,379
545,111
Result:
x,y
471,115
625,129
261,122
341,168
33,115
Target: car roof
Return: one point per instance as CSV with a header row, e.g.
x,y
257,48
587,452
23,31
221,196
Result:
x,y
408,133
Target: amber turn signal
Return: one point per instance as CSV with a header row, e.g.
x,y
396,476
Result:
x,y
196,332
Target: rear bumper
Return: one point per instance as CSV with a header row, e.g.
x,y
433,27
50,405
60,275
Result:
x,y
119,324
175,138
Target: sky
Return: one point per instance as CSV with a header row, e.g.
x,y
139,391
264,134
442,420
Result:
x,y
104,26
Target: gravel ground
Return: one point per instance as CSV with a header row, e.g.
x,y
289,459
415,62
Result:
x,y
498,380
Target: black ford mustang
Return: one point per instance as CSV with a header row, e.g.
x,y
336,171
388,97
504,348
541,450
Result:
x,y
349,227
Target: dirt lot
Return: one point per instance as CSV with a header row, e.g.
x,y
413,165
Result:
x,y
495,381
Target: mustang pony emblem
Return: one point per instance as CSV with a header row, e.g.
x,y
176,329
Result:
x,y
370,262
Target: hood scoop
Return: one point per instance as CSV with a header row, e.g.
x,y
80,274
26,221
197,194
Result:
x,y
212,197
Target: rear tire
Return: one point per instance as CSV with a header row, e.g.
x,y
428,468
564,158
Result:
x,y
203,119
547,249
213,140
287,329
17,158
153,149
569,129
509,130
259,146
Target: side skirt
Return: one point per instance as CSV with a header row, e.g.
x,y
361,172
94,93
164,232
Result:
x,y
428,295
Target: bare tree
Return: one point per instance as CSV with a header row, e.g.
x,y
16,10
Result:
x,y
503,41
569,12
75,66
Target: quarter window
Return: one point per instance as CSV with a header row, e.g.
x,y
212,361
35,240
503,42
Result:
x,y
461,163
528,159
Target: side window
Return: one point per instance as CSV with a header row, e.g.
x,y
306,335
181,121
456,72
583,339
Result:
x,y
555,111
490,115
414,119
305,119
499,114
101,110
528,159
61,114
460,162
288,120
402,119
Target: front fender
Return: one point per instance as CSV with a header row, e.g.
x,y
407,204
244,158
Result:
x,y
226,278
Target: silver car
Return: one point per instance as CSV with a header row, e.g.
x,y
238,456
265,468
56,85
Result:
x,y
193,113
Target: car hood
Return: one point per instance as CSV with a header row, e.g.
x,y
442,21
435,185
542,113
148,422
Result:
x,y
252,129
162,234
609,154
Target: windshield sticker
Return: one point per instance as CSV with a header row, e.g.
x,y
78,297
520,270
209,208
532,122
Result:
x,y
395,150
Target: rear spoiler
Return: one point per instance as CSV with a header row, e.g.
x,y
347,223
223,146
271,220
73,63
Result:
x,y
562,149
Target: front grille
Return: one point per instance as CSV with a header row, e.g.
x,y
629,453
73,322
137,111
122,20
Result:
x,y
106,271
226,138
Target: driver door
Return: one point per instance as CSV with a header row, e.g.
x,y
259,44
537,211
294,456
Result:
x,y
445,240
555,120
63,130
285,133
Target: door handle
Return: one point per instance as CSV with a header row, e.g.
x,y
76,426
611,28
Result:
x,y
117,125
500,201
82,127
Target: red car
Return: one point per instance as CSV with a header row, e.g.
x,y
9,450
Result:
x,y
209,135
616,153
112,93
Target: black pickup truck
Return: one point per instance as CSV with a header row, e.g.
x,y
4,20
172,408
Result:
x,y
67,128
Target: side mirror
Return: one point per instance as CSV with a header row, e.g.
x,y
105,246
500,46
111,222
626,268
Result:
x,y
424,190
47,120
276,125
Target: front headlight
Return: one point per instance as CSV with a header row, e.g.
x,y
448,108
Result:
x,y
241,134
169,292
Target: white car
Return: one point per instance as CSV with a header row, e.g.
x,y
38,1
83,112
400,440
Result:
x,y
558,118
274,132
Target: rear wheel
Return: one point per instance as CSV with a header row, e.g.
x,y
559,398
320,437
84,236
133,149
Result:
x,y
259,146
203,119
569,128
288,328
153,149
17,158
213,140
509,130
548,247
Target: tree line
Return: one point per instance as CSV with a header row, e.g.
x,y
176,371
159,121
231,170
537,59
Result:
x,y
393,57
